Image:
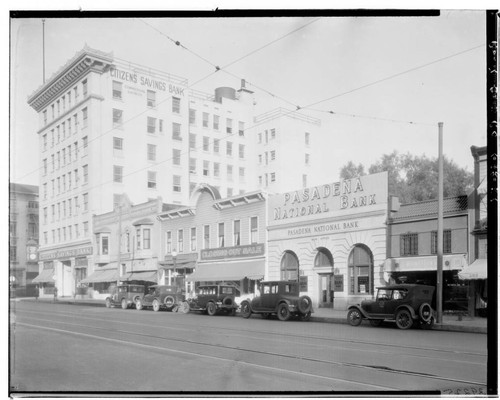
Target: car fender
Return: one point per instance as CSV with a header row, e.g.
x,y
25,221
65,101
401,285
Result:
x,y
358,307
414,315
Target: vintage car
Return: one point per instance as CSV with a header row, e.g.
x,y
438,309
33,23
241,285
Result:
x,y
214,298
166,297
406,304
125,296
281,298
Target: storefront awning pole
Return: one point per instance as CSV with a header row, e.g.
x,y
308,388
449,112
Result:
x,y
439,280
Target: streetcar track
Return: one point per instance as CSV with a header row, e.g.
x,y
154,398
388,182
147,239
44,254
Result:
x,y
206,356
269,353
293,335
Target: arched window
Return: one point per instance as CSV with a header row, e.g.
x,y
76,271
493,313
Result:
x,y
289,267
360,271
323,258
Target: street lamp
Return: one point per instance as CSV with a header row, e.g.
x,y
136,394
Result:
x,y
174,256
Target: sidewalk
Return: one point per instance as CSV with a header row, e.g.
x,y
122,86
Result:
x,y
450,322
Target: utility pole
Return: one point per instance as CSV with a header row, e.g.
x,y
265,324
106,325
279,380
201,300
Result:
x,y
439,280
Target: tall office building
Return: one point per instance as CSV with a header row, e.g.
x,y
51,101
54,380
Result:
x,y
109,127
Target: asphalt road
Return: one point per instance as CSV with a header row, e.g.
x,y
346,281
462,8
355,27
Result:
x,y
57,348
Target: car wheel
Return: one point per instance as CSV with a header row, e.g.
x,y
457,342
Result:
x,y
124,304
283,312
183,307
246,311
211,308
305,304
376,322
354,317
138,304
427,325
403,319
425,312
156,305
305,317
108,302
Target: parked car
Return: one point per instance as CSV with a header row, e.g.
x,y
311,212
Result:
x,y
281,298
166,297
214,298
125,296
406,304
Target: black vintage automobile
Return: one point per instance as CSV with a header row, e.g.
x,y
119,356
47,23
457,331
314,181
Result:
x,y
406,304
166,297
213,299
281,298
125,296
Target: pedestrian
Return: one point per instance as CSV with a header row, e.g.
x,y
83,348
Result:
x,y
37,292
55,293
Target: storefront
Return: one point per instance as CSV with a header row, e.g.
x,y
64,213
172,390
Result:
x,y
331,239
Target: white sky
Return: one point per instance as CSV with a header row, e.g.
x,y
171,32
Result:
x,y
328,58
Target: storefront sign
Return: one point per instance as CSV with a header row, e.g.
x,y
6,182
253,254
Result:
x,y
146,81
338,283
345,196
81,262
233,252
302,283
59,254
323,228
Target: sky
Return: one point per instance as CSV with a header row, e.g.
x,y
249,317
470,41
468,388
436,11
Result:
x,y
378,84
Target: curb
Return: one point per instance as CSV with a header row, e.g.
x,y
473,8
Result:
x,y
331,320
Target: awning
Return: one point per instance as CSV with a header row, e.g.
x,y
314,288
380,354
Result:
x,y
45,276
477,270
104,275
428,263
228,271
149,276
186,265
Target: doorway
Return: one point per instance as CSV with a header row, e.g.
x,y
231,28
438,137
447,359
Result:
x,y
326,291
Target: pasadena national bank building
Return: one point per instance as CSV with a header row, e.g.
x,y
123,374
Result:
x,y
331,238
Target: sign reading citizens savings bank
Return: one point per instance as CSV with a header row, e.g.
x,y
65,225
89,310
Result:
x,y
342,198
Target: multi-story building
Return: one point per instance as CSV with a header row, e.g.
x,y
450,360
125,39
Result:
x,y
23,240
108,127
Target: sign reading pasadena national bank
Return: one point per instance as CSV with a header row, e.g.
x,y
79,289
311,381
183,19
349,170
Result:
x,y
345,197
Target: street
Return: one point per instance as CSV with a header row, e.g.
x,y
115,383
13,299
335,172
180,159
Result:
x,y
83,349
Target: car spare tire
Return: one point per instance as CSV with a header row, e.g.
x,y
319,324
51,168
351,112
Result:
x,y
228,301
425,312
169,301
305,304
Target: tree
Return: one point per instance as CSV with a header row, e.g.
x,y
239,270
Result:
x,y
415,178
350,170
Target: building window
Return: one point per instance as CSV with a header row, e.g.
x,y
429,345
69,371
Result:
x,y
102,241
44,141
151,125
85,202
146,238
236,233
177,183
192,141
205,120
206,143
117,90
176,105
289,267
273,134
304,180
180,240
221,234
241,128
409,244
85,174
192,165
206,237
193,239
151,152
151,98
273,155
117,118
229,125
44,163
117,143
216,146
85,145
85,117
216,169
84,87
446,241
216,122
117,173
253,230
360,271
176,157
307,138
176,131
241,150
273,176
169,242
267,136
151,180
229,149
85,229
206,167
307,159
192,116
138,238
230,172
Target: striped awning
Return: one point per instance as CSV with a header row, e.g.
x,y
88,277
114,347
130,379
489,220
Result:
x,y
148,276
104,275
46,276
